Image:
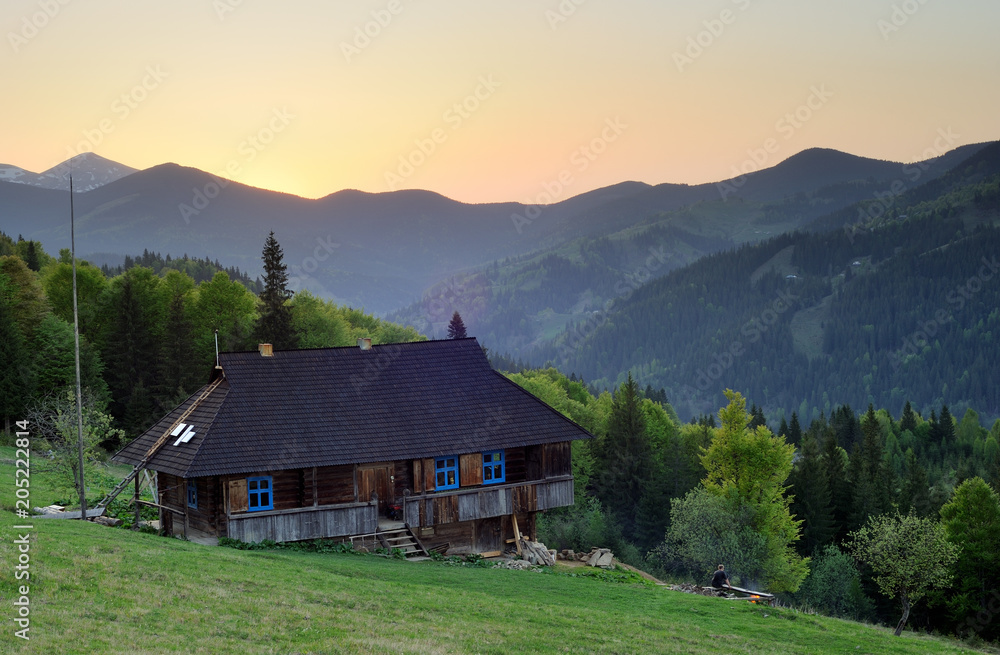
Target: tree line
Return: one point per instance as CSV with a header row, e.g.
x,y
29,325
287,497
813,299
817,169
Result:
x,y
794,510
148,338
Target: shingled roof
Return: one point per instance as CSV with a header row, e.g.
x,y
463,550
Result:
x,y
322,407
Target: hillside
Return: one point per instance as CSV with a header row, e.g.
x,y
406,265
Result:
x,y
902,307
102,590
382,251
519,305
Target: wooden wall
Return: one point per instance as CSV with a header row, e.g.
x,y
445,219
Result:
x,y
335,484
205,520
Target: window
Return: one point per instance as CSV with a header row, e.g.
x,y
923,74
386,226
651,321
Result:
x,y
259,494
493,470
192,489
446,473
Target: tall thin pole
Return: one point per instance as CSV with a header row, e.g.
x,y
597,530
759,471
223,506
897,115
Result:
x,y
76,338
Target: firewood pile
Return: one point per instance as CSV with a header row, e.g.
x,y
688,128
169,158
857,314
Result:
x,y
600,557
695,589
537,553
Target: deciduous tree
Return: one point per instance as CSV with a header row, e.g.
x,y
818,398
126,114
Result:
x,y
908,555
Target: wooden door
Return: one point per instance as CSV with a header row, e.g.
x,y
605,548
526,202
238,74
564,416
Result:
x,y
489,535
378,479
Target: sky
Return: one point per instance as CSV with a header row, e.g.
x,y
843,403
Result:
x,y
488,101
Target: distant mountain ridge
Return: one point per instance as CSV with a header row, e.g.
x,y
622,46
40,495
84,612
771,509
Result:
x,y
89,172
382,251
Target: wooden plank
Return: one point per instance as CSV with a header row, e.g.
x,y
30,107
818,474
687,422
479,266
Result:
x,y
492,553
238,498
429,484
470,469
517,535
468,507
315,488
418,476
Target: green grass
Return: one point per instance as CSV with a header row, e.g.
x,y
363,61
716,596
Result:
x,y
104,590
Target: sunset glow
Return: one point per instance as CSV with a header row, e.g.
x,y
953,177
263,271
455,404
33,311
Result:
x,y
490,101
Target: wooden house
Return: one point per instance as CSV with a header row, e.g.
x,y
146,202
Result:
x,y
325,443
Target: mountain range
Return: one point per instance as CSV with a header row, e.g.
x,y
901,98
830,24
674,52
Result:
x,y
89,172
384,251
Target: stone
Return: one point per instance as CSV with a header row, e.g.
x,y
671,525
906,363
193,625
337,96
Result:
x,y
606,560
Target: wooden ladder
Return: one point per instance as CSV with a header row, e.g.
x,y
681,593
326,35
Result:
x,y
156,446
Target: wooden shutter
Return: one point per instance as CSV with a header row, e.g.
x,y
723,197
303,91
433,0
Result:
x,y
366,484
429,475
418,476
470,469
238,495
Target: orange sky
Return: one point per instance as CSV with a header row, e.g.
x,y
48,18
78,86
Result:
x,y
490,101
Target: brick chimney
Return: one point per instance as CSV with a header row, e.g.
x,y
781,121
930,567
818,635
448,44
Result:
x,y
265,350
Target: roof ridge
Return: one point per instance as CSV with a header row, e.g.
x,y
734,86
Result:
x,y
545,404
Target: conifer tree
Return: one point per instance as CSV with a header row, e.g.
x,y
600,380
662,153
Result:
x,y
868,472
908,420
811,498
794,430
275,323
837,482
947,428
456,327
622,458
31,257
14,360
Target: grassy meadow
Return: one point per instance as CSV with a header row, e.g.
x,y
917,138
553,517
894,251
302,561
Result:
x,y
103,590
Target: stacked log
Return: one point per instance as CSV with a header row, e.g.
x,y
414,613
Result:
x,y
536,553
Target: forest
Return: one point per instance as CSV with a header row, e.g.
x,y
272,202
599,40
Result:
x,y
147,334
792,508
786,509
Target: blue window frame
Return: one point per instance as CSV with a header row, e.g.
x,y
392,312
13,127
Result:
x,y
192,491
446,472
259,494
493,468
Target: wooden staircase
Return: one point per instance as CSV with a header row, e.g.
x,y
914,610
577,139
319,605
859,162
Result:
x,y
403,539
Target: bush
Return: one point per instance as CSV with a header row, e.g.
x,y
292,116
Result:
x,y
834,587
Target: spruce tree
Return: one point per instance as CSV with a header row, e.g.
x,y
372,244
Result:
x,y
908,421
947,428
622,458
31,257
456,327
14,362
794,430
811,498
275,323
837,483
